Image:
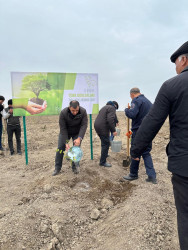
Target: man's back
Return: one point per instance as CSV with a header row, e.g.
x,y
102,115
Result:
x,y
174,94
104,123
140,106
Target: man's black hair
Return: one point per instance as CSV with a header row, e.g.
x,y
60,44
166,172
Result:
x,y
2,98
74,104
10,102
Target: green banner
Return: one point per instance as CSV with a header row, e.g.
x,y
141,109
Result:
x,y
48,93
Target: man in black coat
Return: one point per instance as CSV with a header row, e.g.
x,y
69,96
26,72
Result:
x,y
172,100
73,123
13,127
104,124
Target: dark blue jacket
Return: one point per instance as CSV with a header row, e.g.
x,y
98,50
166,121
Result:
x,y
140,106
171,100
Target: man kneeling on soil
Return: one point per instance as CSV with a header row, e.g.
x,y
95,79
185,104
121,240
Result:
x,y
73,123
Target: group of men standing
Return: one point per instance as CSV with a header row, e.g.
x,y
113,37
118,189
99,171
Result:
x,y
147,119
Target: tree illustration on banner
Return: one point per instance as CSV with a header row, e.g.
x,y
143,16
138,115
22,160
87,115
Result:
x,y
36,83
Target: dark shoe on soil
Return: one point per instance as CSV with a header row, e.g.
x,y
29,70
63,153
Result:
x,y
56,172
19,152
12,152
106,164
2,149
130,178
152,180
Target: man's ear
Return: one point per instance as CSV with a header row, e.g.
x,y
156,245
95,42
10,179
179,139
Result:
x,y
184,60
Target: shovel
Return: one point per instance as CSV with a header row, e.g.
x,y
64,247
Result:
x,y
127,161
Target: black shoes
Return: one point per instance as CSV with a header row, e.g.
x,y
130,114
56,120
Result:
x,y
152,180
56,172
106,164
75,167
19,153
130,178
2,149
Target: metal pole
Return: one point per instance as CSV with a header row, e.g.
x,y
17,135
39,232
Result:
x,y
25,140
91,140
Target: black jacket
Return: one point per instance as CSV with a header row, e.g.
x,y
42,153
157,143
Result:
x,y
140,106
171,100
71,126
105,121
1,109
12,120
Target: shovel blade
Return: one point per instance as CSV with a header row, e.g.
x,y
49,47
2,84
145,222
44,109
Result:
x,y
127,162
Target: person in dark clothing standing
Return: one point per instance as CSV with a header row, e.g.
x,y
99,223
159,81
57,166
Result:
x,y
13,126
2,99
104,124
73,123
172,100
140,106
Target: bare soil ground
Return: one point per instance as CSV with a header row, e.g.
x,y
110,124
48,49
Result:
x,y
91,210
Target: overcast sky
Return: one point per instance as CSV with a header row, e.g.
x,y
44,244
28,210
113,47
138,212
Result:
x,y
128,43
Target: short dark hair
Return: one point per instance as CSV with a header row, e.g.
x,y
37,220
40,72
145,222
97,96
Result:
x,y
2,98
10,102
74,104
135,91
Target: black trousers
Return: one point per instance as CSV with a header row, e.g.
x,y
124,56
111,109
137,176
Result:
x,y
105,144
10,131
180,187
60,151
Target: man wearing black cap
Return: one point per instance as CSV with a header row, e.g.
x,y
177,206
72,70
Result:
x,y
13,126
104,124
172,100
